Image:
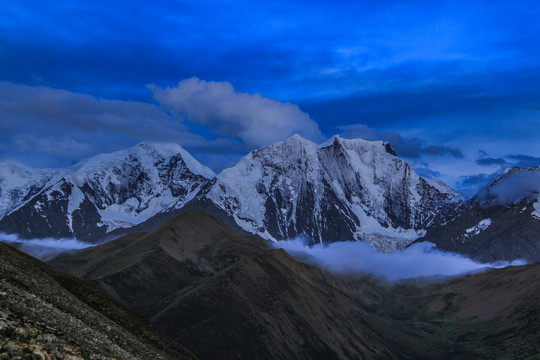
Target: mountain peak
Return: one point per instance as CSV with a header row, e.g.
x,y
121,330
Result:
x,y
295,139
147,153
293,186
359,143
171,149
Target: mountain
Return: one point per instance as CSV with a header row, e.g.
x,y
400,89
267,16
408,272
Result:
x,y
227,295
501,222
100,194
47,314
340,190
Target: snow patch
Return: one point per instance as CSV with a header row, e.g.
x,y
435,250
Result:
x,y
536,212
478,228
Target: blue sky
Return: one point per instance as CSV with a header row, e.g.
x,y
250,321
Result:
x,y
454,86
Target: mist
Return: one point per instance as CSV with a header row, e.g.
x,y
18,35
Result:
x,y
43,248
356,257
512,188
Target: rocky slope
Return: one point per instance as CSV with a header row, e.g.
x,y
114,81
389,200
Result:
x,y
46,314
340,190
100,194
502,222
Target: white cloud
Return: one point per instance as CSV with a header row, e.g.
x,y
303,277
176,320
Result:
x,y
418,260
254,119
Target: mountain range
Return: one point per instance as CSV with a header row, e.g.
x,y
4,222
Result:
x,y
337,191
192,252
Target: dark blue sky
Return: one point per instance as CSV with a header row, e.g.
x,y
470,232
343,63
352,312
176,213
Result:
x,y
455,86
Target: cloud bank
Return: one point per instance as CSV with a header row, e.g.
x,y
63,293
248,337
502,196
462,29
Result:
x,y
256,120
418,260
43,248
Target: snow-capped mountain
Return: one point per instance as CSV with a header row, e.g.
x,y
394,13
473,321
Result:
x,y
100,194
340,190
501,222
18,183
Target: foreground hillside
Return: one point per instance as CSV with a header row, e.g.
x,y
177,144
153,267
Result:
x,y
46,314
227,295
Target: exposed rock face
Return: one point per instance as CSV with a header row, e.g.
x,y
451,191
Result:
x,y
341,190
103,193
502,222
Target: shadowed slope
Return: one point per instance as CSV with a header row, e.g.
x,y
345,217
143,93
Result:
x,y
141,270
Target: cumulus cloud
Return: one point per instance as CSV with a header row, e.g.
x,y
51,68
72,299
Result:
x,y
418,260
411,148
256,120
512,188
43,248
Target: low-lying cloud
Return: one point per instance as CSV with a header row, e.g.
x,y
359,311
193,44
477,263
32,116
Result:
x,y
255,119
43,248
418,260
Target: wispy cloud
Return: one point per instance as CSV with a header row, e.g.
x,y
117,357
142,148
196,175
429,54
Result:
x,y
418,260
43,248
